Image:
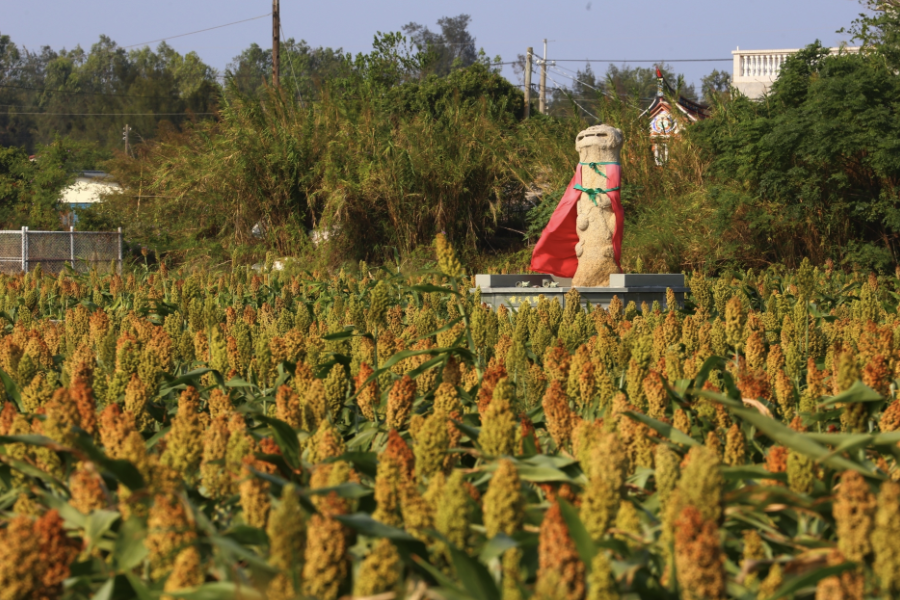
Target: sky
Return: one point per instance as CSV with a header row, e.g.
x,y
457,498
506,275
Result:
x,y
601,30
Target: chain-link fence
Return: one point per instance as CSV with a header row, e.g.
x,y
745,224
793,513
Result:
x,y
23,250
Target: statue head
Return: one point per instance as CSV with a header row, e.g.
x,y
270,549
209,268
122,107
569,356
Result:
x,y
599,143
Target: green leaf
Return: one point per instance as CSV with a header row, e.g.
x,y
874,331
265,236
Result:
x,y
800,442
409,547
348,333
154,439
400,356
32,471
71,515
446,327
285,437
808,579
534,474
122,470
751,472
247,535
363,438
858,392
12,390
583,542
709,365
219,590
31,439
474,576
428,364
877,439
237,382
720,398
427,288
105,591
350,490
129,547
495,547
849,445
664,429
98,523
548,460
471,432
447,586
140,590
365,462
233,550
366,525
192,378
641,477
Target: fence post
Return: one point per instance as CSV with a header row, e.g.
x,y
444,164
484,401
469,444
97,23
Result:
x,y
72,245
24,249
120,250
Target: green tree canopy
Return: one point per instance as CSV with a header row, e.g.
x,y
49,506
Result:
x,y
814,168
76,93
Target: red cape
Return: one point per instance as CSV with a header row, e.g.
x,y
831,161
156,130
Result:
x,y
555,251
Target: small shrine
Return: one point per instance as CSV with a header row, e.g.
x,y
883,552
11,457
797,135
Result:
x,y
666,117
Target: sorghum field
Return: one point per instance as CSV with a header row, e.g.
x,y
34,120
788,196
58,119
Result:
x,y
281,434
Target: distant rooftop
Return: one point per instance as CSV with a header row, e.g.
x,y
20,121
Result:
x,y
89,187
96,174
754,71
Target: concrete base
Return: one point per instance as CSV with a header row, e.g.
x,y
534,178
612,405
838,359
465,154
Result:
x,y
510,290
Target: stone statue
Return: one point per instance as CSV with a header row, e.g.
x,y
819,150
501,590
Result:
x,y
598,148
583,239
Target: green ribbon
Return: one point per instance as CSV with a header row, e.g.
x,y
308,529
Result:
x,y
593,166
594,192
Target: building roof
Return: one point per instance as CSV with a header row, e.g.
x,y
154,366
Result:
x,y
694,111
89,188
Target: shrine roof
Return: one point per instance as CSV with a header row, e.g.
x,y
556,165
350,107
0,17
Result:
x,y
695,111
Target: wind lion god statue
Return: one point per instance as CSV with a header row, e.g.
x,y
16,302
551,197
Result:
x,y
583,239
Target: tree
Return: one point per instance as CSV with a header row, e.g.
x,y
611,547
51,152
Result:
x,y
813,170
715,86
452,48
879,30
587,93
30,186
303,69
68,88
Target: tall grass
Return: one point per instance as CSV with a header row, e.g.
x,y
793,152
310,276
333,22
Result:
x,y
377,179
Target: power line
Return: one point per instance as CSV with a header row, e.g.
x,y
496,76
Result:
x,y
573,100
293,74
79,93
15,114
594,88
172,37
672,60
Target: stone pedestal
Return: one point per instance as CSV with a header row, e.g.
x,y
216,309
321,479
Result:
x,y
510,290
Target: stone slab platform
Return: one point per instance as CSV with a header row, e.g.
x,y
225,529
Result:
x,y
508,290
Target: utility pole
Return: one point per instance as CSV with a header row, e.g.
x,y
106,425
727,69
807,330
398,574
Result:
x,y
528,54
276,42
125,131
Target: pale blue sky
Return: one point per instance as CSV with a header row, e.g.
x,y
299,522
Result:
x,y
630,29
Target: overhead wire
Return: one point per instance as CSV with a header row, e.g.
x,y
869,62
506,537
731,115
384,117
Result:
x,y
293,74
14,114
76,93
573,100
595,88
172,37
671,60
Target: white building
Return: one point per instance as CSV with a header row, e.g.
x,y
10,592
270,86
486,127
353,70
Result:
x,y
88,189
754,71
